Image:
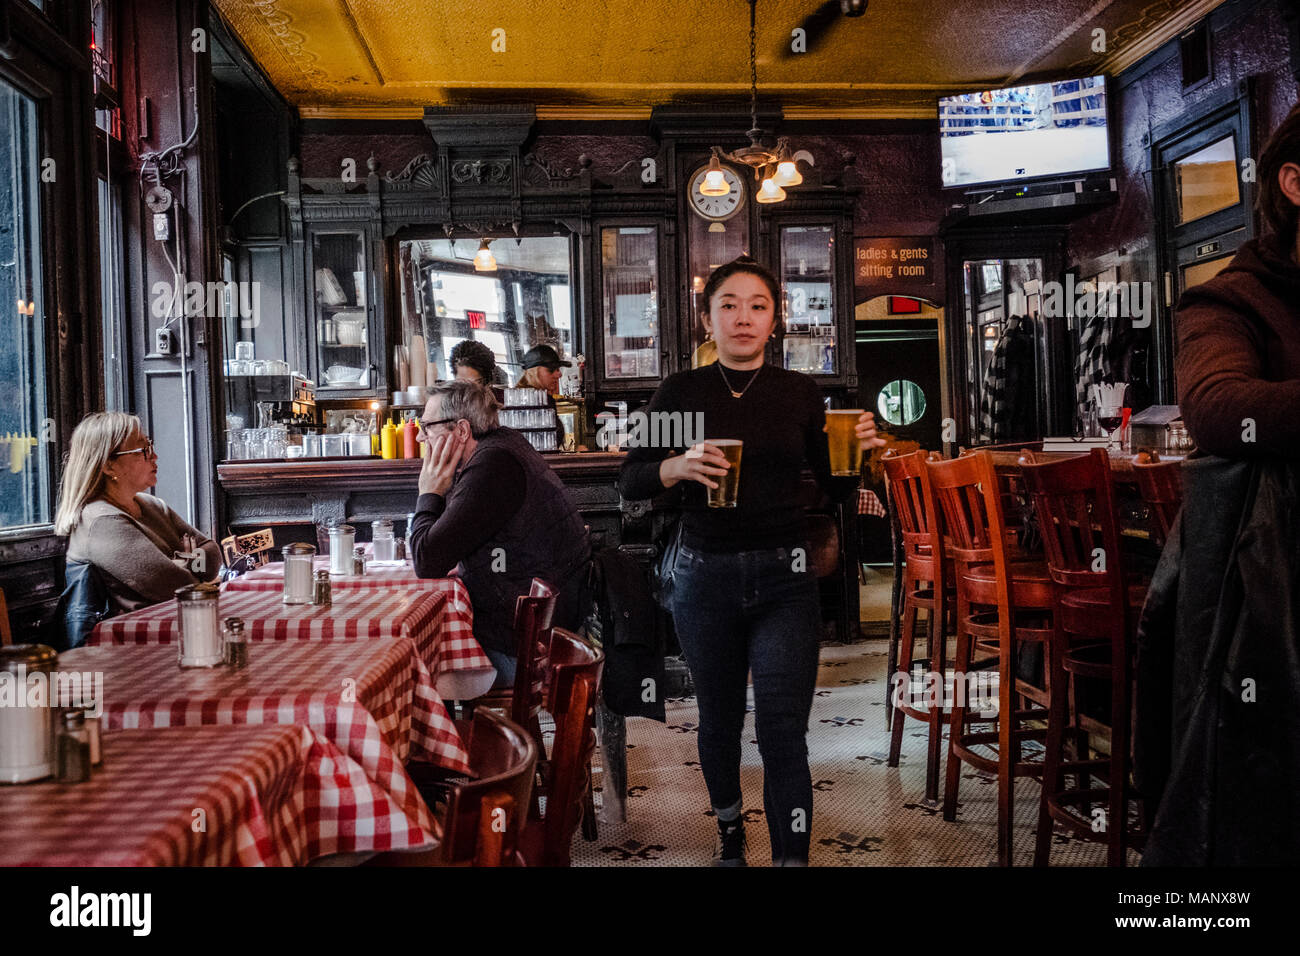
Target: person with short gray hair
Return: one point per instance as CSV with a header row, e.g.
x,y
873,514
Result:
x,y
492,505
470,401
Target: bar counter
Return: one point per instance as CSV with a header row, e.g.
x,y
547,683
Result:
x,y
300,492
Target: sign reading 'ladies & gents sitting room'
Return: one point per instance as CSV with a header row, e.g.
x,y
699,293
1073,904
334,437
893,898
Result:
x,y
893,265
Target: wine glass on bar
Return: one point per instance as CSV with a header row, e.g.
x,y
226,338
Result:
x,y
1110,411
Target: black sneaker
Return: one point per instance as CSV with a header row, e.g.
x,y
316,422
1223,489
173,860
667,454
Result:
x,y
731,844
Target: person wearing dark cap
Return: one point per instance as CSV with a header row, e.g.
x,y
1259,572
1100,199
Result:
x,y
542,366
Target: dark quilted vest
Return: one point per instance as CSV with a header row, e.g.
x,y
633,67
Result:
x,y
546,538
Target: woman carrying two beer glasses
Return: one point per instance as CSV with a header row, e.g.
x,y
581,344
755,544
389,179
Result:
x,y
744,598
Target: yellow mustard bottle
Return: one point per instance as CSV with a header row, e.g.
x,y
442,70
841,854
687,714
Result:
x,y
388,440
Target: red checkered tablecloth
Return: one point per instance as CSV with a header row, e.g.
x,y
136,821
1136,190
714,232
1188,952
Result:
x,y
270,577
869,503
433,618
374,700
205,796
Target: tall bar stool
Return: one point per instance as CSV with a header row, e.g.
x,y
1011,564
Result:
x,y
1097,608
928,584
1003,603
1161,485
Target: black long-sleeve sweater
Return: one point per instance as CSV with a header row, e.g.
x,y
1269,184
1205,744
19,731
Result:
x,y
780,419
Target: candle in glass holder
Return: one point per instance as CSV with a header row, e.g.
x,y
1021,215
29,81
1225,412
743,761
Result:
x,y
342,540
297,573
201,642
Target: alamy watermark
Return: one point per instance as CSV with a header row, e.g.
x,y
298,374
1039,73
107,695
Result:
x,y
212,299
975,690
652,430
80,689
1127,300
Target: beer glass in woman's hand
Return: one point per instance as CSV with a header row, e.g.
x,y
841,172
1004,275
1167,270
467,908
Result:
x,y
702,463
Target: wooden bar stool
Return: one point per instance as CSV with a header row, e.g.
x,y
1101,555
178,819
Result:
x,y
928,584
1002,604
1097,608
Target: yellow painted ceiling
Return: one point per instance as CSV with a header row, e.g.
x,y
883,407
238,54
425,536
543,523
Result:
x,y
621,57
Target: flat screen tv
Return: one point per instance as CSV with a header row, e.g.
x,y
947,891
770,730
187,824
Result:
x,y
1024,133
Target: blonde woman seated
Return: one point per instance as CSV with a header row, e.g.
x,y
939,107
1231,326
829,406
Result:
x,y
142,549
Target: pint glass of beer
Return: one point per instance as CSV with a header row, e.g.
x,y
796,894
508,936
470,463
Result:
x,y
845,451
724,496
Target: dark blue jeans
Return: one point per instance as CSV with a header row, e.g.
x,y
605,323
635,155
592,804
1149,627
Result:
x,y
744,612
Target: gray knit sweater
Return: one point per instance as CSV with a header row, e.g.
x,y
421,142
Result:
x,y
134,556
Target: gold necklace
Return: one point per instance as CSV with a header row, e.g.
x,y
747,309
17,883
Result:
x,y
734,393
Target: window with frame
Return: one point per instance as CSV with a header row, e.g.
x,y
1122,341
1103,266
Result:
x,y
26,431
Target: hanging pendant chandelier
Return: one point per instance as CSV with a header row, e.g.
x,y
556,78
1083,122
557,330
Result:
x,y
774,167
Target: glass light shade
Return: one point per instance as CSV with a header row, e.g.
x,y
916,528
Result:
x,y
787,174
484,261
715,183
770,191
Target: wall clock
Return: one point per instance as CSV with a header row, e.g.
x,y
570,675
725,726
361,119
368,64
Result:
x,y
717,208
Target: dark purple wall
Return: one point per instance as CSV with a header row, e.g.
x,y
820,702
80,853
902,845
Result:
x,y
1254,44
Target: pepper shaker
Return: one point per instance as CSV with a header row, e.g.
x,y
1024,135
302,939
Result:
x,y
321,597
359,561
74,748
236,646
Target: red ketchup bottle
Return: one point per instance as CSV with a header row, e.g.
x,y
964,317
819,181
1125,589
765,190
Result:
x,y
410,447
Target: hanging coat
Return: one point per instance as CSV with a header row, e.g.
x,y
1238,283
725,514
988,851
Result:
x,y
1217,740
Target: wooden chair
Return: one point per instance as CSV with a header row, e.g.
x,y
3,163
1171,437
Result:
x,y
1002,605
928,584
1161,485
6,635
1097,608
571,698
485,817
523,701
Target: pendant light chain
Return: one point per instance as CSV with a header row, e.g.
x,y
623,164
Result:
x,y
753,66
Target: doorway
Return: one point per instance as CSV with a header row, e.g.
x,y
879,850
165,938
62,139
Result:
x,y
1203,205
899,359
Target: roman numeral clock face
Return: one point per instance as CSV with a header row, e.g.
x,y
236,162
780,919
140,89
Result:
x,y
717,208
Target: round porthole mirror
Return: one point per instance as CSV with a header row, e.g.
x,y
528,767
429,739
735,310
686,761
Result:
x,y
901,402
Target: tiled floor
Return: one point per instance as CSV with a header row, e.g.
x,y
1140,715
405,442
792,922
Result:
x,y
865,813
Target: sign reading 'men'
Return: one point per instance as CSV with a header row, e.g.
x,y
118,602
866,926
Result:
x,y
893,265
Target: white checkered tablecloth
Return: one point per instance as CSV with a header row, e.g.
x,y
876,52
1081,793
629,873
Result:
x,y
205,796
436,619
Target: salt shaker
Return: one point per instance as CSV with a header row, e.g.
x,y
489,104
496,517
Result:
x,y
321,596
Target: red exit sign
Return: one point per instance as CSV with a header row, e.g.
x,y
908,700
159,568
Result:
x,y
477,320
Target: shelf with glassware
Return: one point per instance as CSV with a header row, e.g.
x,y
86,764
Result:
x,y
343,322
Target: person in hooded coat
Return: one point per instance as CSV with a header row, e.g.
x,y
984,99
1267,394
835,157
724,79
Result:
x,y
1217,741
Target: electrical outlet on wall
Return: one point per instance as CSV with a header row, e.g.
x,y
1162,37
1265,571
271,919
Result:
x,y
162,341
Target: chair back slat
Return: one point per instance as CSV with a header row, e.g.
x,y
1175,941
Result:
x,y
1161,485
486,814
956,488
576,669
1075,500
904,475
533,614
